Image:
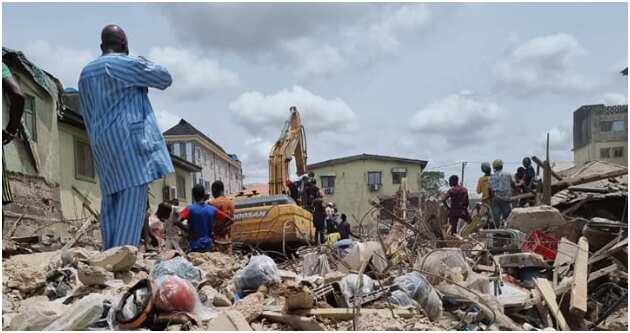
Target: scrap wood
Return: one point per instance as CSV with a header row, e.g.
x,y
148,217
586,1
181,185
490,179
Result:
x,y
545,288
347,313
563,184
15,225
541,164
579,289
296,322
602,272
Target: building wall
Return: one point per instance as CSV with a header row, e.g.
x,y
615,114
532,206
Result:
x,y
351,192
215,165
603,139
17,157
71,201
156,188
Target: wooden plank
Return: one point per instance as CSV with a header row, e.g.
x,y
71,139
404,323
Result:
x,y
541,164
602,272
578,292
346,313
296,322
545,288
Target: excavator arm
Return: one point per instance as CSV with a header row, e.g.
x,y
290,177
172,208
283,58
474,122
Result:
x,y
291,143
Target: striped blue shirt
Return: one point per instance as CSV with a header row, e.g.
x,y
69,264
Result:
x,y
126,142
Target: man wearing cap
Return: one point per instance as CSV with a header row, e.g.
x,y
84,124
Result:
x,y
500,186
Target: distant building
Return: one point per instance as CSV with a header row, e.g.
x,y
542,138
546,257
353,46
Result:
x,y
189,143
600,133
351,182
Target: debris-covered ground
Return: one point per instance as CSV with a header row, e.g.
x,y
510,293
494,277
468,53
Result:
x,y
553,267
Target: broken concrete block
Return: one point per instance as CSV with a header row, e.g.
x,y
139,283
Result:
x,y
94,275
251,306
229,321
532,218
117,259
376,322
80,315
217,266
27,272
37,313
210,296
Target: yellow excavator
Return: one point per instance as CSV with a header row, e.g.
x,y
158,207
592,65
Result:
x,y
277,220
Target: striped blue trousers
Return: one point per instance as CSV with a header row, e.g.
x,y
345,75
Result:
x,y
122,216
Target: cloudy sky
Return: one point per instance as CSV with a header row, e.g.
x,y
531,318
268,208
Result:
x,y
441,82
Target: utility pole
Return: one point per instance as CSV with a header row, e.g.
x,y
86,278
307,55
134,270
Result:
x,y
463,166
547,177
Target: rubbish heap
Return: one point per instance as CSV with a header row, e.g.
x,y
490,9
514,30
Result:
x,y
552,268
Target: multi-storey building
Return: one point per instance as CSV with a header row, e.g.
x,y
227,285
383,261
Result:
x,y
189,143
600,133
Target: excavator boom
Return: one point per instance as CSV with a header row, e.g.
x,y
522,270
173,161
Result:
x,y
290,144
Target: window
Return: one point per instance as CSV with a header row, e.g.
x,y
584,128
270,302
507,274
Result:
x,y
604,152
189,152
197,154
617,152
374,178
180,181
83,162
177,150
328,184
618,126
605,126
30,119
398,174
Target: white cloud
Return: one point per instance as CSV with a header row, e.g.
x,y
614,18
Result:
x,y
614,99
166,119
386,32
461,119
544,64
62,62
259,112
194,75
330,123
310,58
309,40
560,143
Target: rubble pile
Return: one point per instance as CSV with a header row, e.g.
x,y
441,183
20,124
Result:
x,y
550,269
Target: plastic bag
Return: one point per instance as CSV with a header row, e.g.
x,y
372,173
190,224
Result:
x,y
260,270
349,285
416,286
400,298
175,294
447,262
177,266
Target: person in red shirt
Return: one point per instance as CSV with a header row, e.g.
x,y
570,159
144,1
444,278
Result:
x,y
459,203
222,228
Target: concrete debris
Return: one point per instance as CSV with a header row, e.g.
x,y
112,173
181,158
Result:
x,y
94,275
251,306
552,269
117,259
533,218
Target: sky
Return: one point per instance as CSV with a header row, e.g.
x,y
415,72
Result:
x,y
444,83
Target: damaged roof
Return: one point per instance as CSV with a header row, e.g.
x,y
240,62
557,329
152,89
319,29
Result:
x,y
362,157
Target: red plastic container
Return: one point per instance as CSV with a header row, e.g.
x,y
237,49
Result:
x,y
540,242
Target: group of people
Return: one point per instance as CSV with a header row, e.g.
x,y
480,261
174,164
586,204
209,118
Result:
x,y
207,227
496,188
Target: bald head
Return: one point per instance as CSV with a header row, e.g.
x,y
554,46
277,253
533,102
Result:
x,y
114,40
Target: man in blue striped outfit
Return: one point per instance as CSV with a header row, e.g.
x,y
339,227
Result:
x,y
128,148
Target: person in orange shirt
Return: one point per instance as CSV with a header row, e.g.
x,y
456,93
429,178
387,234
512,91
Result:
x,y
222,240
